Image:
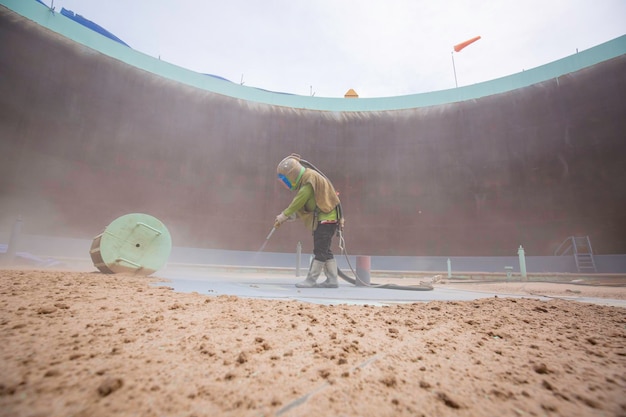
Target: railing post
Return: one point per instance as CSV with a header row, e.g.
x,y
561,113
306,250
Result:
x,y
298,255
522,261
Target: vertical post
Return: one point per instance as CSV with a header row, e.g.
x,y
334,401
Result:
x,y
363,266
454,69
298,255
449,268
14,239
522,261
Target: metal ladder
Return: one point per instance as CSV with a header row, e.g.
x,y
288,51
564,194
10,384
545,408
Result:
x,y
580,247
583,254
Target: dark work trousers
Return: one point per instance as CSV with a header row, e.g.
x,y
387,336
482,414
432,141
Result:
x,y
322,239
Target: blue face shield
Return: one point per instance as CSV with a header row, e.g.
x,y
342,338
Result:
x,y
285,181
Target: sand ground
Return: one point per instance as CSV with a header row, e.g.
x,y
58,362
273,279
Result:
x,y
88,344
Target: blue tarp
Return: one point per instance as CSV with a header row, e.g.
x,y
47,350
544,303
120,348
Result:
x,y
91,25
86,22
99,29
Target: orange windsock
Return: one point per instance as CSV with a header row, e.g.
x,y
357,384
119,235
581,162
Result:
x,y
458,47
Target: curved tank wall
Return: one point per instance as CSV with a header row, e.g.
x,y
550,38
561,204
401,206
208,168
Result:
x,y
86,138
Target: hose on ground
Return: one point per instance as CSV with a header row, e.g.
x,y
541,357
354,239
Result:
x,y
359,282
353,281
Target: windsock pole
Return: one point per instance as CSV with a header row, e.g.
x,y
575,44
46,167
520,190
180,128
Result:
x,y
456,84
457,48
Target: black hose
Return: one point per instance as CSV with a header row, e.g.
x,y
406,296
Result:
x,y
353,281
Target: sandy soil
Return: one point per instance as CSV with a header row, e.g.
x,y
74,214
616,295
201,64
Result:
x,y
88,344
545,289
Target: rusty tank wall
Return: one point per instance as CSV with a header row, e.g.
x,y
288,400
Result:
x,y
85,138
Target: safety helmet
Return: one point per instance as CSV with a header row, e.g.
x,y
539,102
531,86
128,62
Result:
x,y
290,171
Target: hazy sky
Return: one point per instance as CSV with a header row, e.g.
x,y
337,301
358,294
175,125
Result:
x,y
378,48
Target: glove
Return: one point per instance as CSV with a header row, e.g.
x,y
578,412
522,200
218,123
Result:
x,y
280,219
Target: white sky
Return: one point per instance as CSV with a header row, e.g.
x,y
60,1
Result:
x,y
378,48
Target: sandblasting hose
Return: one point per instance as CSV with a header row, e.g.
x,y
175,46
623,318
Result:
x,y
353,281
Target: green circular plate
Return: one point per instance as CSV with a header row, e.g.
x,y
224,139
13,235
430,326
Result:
x,y
136,243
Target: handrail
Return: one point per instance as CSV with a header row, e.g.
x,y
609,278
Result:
x,y
589,245
569,240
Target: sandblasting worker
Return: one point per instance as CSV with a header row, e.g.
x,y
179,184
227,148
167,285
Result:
x,y
316,204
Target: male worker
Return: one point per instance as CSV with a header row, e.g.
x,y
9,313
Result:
x,y
316,203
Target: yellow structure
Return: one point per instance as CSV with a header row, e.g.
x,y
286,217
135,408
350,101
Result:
x,y
351,94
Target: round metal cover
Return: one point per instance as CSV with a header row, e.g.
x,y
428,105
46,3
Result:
x,y
136,243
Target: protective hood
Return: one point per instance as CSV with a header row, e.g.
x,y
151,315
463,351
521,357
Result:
x,y
290,171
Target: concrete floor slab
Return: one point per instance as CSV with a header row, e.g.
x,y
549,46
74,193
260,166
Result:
x,y
276,286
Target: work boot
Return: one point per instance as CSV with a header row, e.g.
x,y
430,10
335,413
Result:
x,y
314,272
330,269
